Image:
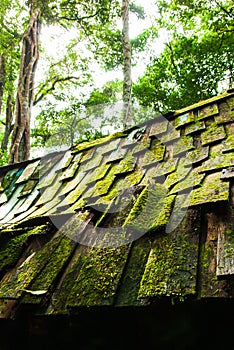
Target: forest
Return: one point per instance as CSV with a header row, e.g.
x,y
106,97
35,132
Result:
x,y
51,53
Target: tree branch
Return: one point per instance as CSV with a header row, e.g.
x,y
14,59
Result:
x,y
49,89
229,13
79,19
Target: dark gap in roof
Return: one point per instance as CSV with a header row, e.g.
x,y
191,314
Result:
x,y
209,121
232,193
201,242
129,284
197,142
31,222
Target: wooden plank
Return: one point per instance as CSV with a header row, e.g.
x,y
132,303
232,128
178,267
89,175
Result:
x,y
209,284
8,206
225,249
41,270
16,245
46,278
171,269
65,285
102,268
98,277
28,171
7,308
127,293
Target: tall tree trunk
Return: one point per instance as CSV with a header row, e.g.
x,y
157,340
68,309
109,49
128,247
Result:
x,y
8,125
2,78
20,146
127,67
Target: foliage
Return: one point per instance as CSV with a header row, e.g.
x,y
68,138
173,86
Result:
x,y
197,15
197,61
77,119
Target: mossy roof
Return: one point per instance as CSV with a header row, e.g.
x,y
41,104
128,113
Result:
x,y
122,220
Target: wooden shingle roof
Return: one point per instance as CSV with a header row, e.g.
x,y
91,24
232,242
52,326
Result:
x,y
123,220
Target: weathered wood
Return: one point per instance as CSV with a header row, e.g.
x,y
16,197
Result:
x,y
127,293
171,269
99,277
225,249
209,284
6,308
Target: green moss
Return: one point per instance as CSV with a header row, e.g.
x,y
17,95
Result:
x,y
22,277
162,169
210,284
151,210
212,190
13,250
170,270
99,277
120,185
142,146
128,290
228,144
225,256
216,151
225,118
208,111
184,144
102,186
230,102
8,178
80,204
194,128
62,293
177,176
126,165
196,156
184,119
192,181
154,154
216,162
212,134
28,188
45,280
99,173
86,145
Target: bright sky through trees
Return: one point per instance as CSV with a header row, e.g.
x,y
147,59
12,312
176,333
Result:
x,y
55,39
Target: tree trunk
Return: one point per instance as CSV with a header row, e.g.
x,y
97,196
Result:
x,y
8,125
127,73
2,79
20,146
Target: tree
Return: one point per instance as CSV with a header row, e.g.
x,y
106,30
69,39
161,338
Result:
x,y
20,145
81,118
127,74
63,12
9,62
197,61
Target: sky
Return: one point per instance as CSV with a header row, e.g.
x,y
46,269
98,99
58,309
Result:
x,y
54,47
